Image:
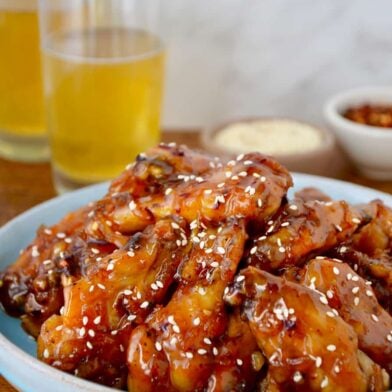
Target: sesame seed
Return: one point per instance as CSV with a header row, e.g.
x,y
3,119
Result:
x,y
349,276
91,332
253,250
336,270
369,293
115,332
355,278
168,191
89,345
176,328
171,320
389,337
82,331
239,361
46,353
356,301
189,355
323,300
144,305
127,292
356,220
85,320
331,347
154,286
330,294
319,361
174,225
131,317
207,341
293,207
202,291
374,317
214,264
95,250
35,252
324,383
259,202
196,321
158,346
215,351
159,284
263,179
338,228
282,249
132,205
343,249
248,163
131,253
101,286
221,250
355,290
297,377
61,235
330,314
110,267
337,369
240,157
243,174
202,351
240,278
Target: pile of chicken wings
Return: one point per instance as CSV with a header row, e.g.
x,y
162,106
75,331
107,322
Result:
x,y
193,274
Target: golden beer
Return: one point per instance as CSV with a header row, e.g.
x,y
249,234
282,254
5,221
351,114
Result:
x,y
103,95
21,97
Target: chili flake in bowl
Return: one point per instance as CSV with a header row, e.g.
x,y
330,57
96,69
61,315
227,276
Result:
x,y
369,114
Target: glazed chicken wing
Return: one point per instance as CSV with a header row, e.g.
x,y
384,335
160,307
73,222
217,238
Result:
x,y
91,335
306,349
175,349
303,229
252,186
369,252
355,302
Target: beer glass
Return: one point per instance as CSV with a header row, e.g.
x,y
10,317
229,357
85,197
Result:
x,y
103,77
22,129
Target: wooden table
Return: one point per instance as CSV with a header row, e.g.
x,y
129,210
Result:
x,y
25,185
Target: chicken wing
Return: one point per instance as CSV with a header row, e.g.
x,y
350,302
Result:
x,y
301,230
91,336
305,348
354,300
176,347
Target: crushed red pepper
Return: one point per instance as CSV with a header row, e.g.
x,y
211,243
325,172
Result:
x,y
373,115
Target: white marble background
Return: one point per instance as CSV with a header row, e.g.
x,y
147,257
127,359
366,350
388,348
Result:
x,y
231,58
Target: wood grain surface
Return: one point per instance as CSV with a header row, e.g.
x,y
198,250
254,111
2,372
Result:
x,y
24,185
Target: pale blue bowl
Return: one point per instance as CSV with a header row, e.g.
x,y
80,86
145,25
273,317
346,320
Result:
x,y
17,352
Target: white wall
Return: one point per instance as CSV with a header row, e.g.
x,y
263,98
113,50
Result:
x,y
232,58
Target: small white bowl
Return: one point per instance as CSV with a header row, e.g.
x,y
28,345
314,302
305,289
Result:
x,y
369,147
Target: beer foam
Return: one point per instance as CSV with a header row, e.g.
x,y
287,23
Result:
x,y
18,5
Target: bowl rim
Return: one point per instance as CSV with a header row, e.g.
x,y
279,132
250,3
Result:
x,y
356,96
211,146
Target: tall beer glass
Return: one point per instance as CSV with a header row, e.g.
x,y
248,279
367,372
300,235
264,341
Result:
x,y
104,65
22,129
